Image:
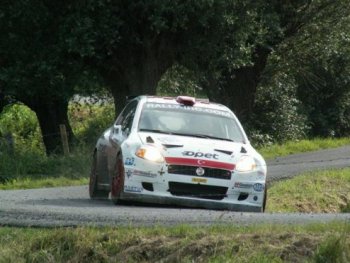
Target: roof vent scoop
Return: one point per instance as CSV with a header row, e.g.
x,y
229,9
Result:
x,y
149,139
243,150
185,100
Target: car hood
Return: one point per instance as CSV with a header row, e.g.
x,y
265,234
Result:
x,y
186,150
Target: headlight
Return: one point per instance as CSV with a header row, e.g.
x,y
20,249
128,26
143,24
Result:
x,y
246,164
150,153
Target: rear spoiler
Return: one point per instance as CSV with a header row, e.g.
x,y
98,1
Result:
x,y
131,97
203,100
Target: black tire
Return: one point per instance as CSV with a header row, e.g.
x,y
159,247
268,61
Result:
x,y
94,192
117,185
265,199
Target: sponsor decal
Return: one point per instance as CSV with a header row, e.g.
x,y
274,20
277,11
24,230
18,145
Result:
x,y
258,187
200,171
130,161
134,189
143,173
242,185
128,173
102,148
161,172
200,154
202,163
199,180
260,175
188,108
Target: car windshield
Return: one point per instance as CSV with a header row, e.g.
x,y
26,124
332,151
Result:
x,y
190,121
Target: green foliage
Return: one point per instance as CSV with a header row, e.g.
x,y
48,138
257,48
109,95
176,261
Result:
x,y
33,53
305,88
318,59
277,117
89,120
335,249
35,66
326,98
346,208
119,35
178,80
18,166
28,156
49,50
21,123
217,243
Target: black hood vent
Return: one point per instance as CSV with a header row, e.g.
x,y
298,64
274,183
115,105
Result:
x,y
224,151
172,145
149,139
243,150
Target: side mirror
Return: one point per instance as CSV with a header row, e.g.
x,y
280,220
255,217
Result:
x,y
116,134
116,129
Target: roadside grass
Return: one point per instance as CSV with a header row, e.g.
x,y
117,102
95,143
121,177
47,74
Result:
x,y
29,183
292,147
23,162
318,191
218,243
35,170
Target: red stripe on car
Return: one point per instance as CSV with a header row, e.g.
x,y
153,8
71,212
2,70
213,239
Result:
x,y
200,162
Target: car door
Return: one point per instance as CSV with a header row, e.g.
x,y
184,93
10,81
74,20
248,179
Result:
x,y
120,132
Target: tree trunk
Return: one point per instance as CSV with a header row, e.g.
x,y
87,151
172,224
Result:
x,y
237,89
3,101
138,75
125,85
51,113
118,88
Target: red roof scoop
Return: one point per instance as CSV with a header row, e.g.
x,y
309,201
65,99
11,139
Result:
x,y
186,100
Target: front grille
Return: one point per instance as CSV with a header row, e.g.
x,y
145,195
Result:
x,y
208,172
197,190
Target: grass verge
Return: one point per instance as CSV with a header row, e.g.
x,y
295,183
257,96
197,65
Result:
x,y
292,147
29,183
269,243
321,191
35,170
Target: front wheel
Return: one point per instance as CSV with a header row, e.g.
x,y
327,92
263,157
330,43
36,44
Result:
x,y
117,186
94,192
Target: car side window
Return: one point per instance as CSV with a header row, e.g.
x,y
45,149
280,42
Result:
x,y
127,116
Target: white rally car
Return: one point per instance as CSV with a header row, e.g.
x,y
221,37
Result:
x,y
181,151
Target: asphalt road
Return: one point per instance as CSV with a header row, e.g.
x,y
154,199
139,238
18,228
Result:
x,y
287,167
71,206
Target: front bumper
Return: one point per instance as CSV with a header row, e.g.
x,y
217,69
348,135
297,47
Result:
x,y
189,202
242,192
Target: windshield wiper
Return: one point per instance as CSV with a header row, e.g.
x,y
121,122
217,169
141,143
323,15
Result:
x,y
211,137
155,131
202,136
187,134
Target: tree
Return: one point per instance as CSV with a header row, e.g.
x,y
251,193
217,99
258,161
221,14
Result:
x,y
232,75
36,68
305,85
133,43
320,63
